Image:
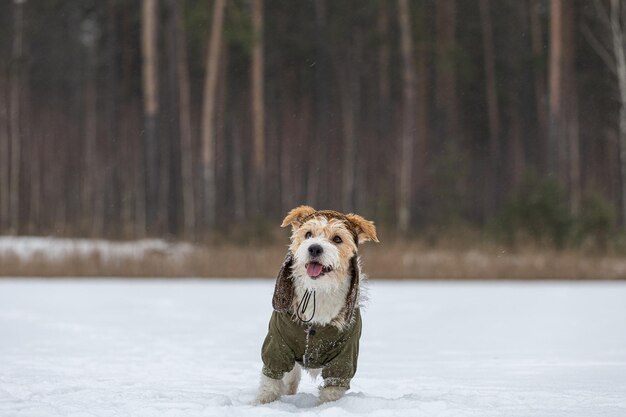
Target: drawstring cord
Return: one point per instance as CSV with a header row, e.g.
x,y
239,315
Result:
x,y
304,303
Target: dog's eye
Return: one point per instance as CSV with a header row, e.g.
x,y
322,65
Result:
x,y
308,235
337,240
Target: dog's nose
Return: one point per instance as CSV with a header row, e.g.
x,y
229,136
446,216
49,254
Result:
x,y
315,250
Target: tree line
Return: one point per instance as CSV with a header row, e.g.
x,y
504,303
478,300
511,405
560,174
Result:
x,y
125,119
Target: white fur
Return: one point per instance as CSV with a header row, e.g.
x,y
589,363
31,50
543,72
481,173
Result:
x,y
269,390
330,289
329,300
328,394
292,380
272,389
330,256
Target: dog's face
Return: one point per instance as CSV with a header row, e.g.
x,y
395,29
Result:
x,y
323,245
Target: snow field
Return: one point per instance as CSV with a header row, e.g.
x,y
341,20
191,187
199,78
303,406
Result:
x,y
27,248
191,348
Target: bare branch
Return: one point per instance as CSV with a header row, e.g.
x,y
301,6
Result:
x,y
617,30
600,49
621,18
602,12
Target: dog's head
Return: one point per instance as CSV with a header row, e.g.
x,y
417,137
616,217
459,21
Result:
x,y
322,256
324,243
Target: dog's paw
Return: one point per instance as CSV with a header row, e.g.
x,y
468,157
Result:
x,y
329,394
269,390
266,398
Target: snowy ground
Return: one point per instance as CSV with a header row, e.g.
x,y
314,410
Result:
x,y
27,248
191,348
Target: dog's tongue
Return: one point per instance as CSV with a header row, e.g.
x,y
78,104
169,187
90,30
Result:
x,y
314,269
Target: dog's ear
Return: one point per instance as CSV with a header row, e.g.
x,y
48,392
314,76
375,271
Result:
x,y
365,229
295,216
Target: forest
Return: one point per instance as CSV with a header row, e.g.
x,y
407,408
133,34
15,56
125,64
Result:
x,y
201,119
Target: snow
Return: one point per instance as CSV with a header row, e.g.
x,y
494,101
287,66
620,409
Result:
x,y
27,248
191,348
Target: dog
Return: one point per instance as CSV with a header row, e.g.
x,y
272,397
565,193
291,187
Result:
x,y
316,322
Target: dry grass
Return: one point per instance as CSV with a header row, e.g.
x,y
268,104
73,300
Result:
x,y
395,260
414,261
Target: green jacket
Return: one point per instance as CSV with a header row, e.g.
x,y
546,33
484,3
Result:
x,y
327,348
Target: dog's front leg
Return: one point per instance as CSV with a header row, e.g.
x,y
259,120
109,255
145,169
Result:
x,y
292,380
269,390
329,394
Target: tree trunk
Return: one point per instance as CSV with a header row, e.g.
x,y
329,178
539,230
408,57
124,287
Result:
x,y
132,188
169,149
536,35
574,174
208,114
141,212
110,179
556,80
563,140
35,184
446,95
516,145
423,101
151,107
408,117
322,112
622,157
349,151
384,83
92,169
617,28
128,189
490,80
258,106
570,122
289,103
5,137
492,107
15,97
184,123
350,103
239,186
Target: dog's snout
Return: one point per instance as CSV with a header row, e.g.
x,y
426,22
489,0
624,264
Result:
x,y
315,250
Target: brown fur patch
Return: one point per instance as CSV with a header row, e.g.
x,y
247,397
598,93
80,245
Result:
x,y
295,216
365,228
